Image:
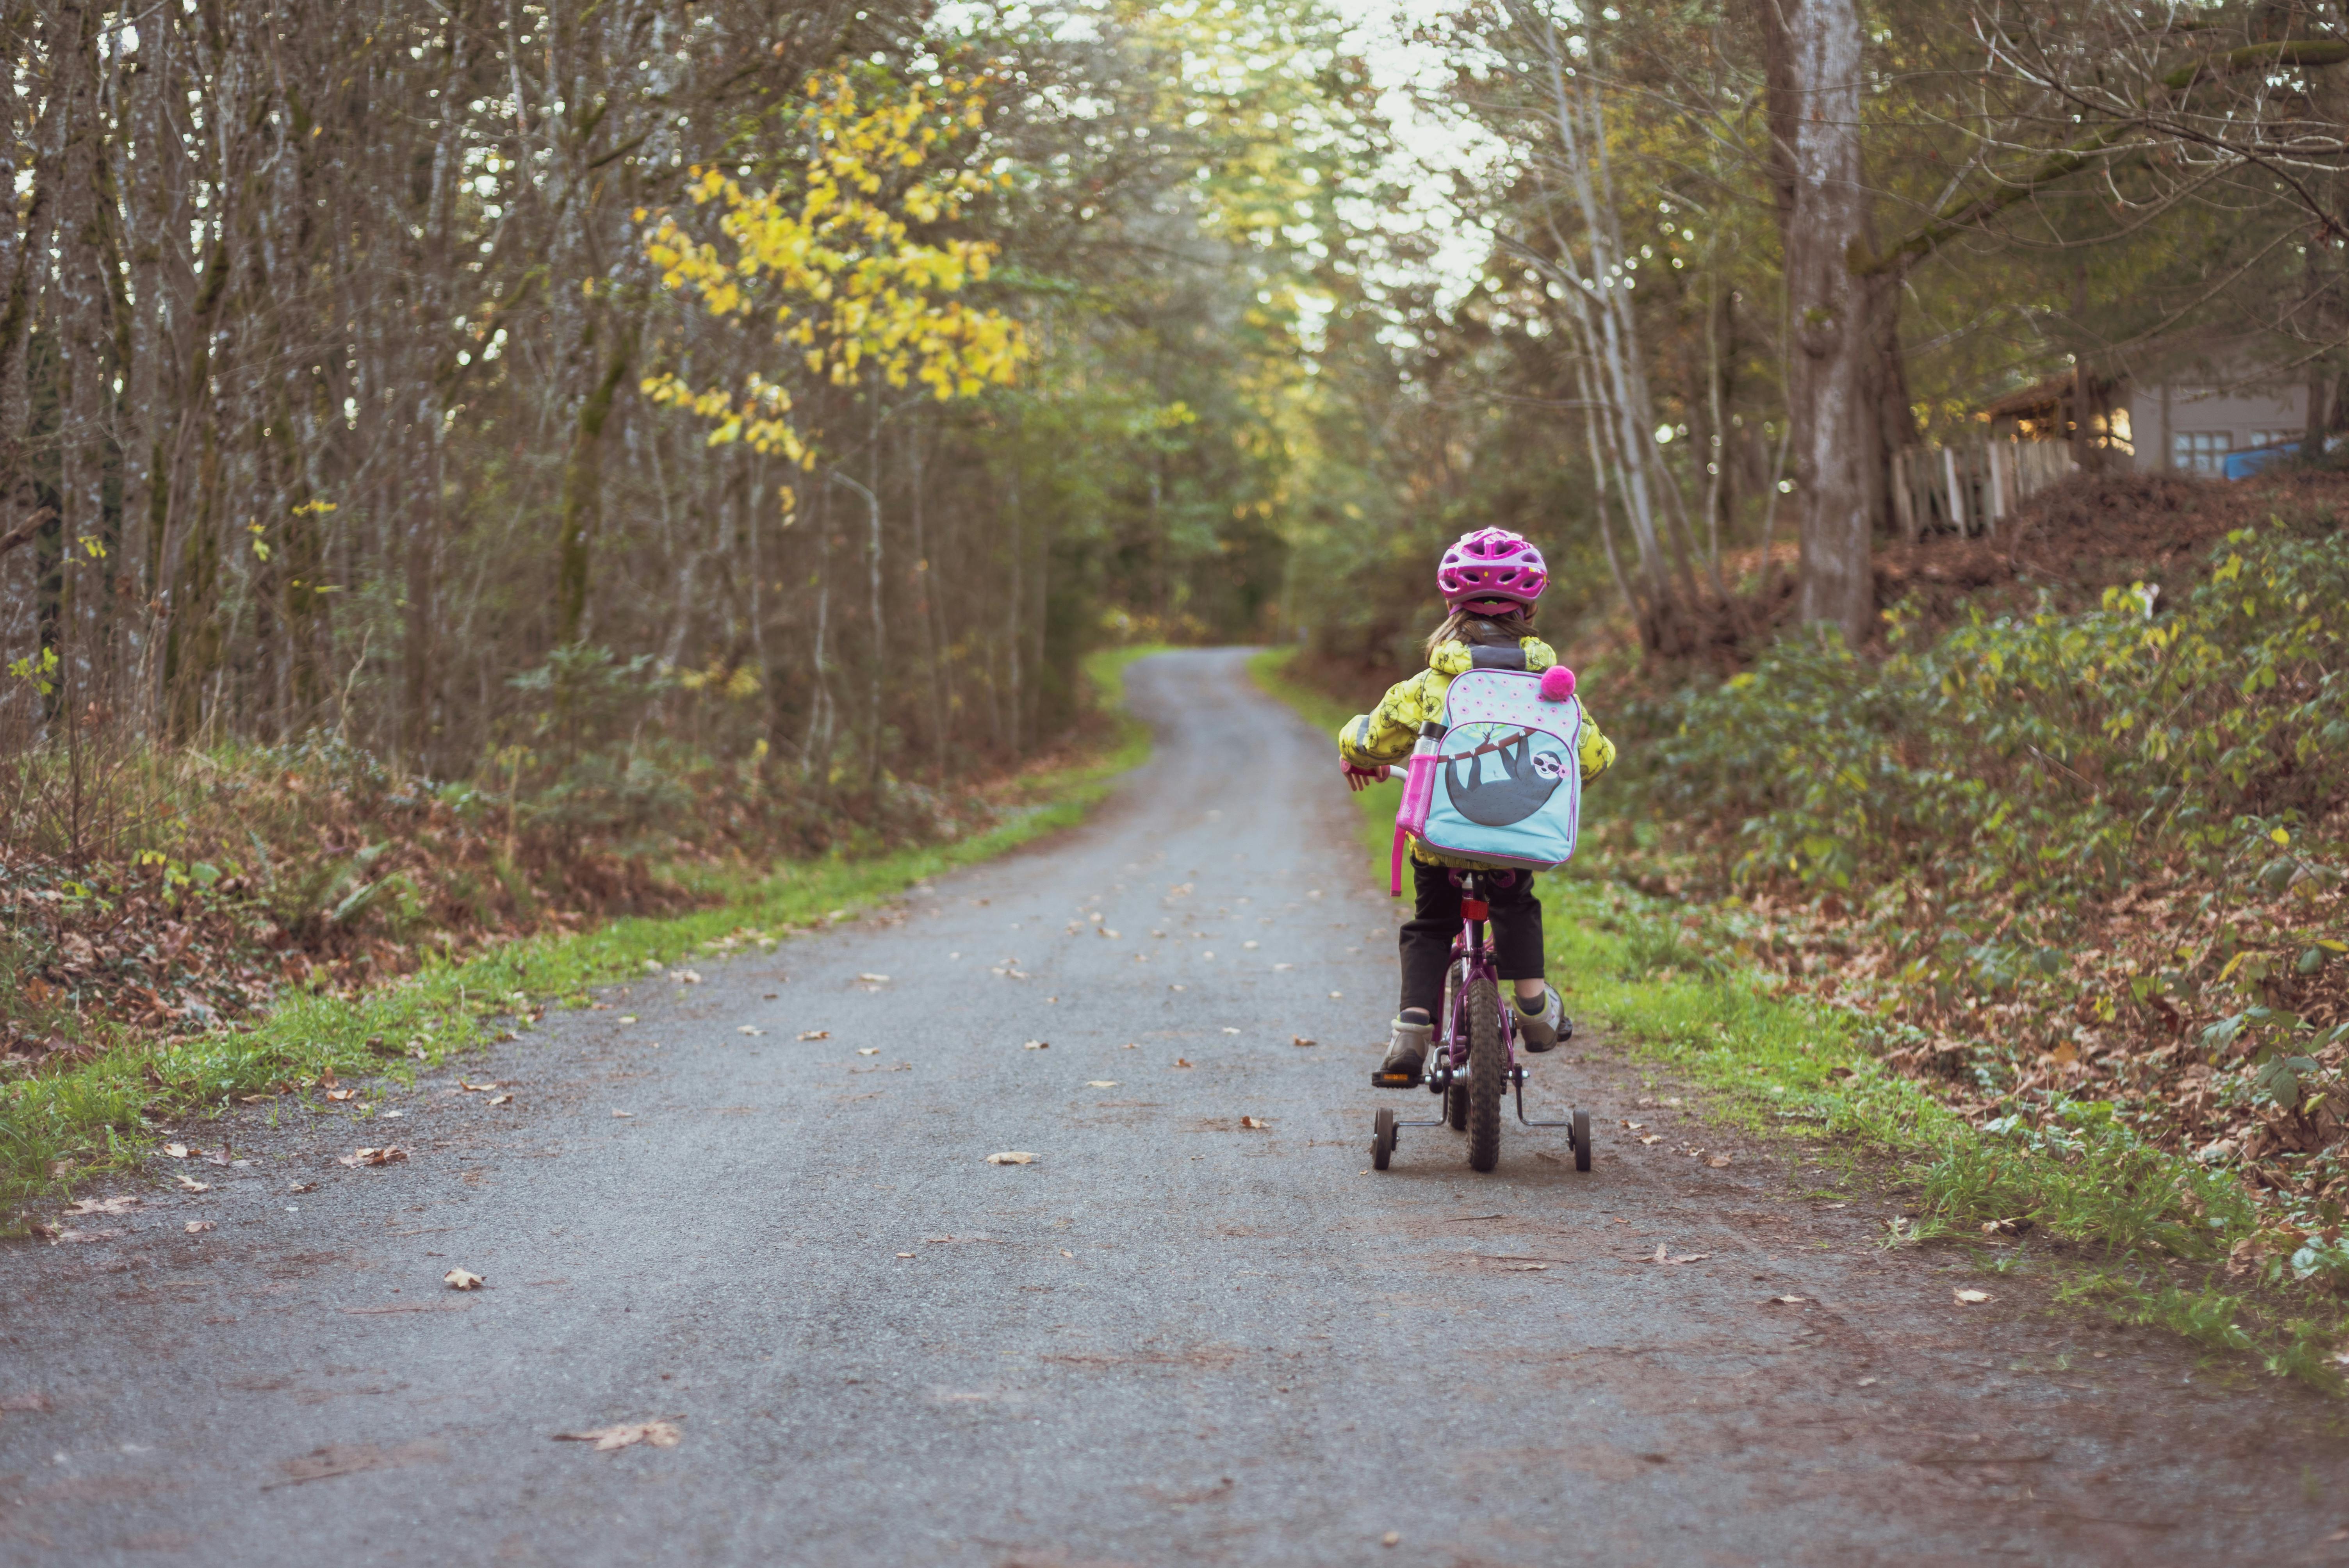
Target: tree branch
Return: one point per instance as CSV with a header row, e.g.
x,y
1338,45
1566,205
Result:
x,y
24,532
1960,214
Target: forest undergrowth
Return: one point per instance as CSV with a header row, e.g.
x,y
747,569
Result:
x,y
2063,868
269,919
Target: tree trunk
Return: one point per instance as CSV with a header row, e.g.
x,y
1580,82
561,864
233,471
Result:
x,y
1837,432
582,496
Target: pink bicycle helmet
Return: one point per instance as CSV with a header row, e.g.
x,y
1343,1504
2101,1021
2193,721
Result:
x,y
1491,572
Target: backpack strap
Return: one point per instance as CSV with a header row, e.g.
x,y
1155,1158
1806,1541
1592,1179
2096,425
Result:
x,y
1489,656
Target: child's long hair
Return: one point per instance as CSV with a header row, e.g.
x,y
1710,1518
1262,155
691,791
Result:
x,y
1465,626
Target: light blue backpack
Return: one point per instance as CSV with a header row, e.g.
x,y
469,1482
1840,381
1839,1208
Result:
x,y
1499,781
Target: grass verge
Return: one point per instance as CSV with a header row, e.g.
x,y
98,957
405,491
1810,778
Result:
x,y
2145,1234
98,1115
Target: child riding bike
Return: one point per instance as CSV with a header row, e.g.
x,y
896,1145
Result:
x,y
1491,580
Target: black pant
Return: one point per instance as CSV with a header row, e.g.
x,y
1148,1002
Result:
x,y
1425,939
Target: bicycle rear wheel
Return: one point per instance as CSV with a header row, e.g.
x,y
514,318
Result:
x,y
1488,1074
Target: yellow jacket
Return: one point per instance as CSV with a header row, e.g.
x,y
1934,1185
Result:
x,y
1387,734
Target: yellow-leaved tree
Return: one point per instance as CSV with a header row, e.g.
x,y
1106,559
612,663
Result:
x,y
839,267
830,257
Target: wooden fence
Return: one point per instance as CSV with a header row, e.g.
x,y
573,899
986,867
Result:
x,y
1972,487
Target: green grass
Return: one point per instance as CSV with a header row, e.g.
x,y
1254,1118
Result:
x,y
2144,1228
101,1116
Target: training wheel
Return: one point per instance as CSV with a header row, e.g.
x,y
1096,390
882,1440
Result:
x,y
1382,1138
1580,1133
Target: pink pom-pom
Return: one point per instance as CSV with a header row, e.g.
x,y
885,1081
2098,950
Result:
x,y
1558,684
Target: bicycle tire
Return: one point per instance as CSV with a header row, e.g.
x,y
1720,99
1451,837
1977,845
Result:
x,y
1488,1073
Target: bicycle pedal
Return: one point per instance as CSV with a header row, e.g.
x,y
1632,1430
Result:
x,y
1382,1080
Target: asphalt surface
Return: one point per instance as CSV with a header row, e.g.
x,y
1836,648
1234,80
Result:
x,y
1173,1338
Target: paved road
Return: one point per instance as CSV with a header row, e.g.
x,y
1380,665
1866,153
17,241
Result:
x,y
1170,1339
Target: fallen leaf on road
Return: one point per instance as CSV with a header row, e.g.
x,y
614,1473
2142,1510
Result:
x,y
190,1184
2021,1224
1231,1031
1392,1537
176,1150
301,1186
1066,1253
1970,1297
816,1035
905,1254
196,1227
1661,1256
659,1434
1635,1126
1011,1157
1037,1045
1786,1301
71,1234
874,979
1101,1083
384,1156
1249,946
1181,1063
624,1115
342,1094
220,1156
1252,1123
475,1087
627,1017
1280,967
462,1279
102,1205
1301,1040
1179,988
652,965
1653,1138
501,1098
1335,995
685,976
868,1050
1718,1162
747,1029
1130,1045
